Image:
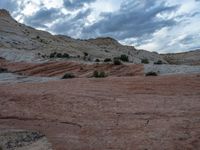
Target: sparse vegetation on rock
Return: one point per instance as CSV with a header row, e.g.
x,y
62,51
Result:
x,y
107,60
159,62
151,74
85,54
124,58
145,61
117,61
97,60
68,76
65,55
99,74
3,70
58,55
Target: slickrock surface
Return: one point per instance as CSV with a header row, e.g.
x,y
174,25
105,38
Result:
x,y
59,68
113,113
17,37
171,69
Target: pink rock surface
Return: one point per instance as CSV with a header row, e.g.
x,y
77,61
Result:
x,y
118,113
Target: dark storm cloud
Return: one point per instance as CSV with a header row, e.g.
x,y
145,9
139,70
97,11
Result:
x,y
134,19
42,17
76,4
10,5
71,25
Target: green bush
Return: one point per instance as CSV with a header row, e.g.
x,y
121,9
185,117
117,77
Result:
x,y
159,62
151,73
145,61
65,55
59,55
107,60
117,62
85,54
3,70
52,55
99,74
124,58
97,60
68,76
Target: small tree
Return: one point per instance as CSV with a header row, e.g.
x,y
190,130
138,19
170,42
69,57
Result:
x,y
68,76
107,60
97,60
52,55
117,62
124,58
59,55
3,70
98,74
85,54
151,73
159,62
145,61
65,55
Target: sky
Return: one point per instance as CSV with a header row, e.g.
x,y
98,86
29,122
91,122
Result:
x,y
164,26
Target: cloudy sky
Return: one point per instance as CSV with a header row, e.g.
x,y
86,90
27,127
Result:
x,y
155,25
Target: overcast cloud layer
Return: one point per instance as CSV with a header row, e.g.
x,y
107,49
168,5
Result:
x,y
155,25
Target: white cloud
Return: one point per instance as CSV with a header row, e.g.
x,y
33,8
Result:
x,y
166,37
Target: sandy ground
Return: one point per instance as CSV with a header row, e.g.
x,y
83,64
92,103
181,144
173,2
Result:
x,y
114,113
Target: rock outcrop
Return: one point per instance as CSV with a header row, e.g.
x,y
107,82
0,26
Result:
x,y
184,58
17,36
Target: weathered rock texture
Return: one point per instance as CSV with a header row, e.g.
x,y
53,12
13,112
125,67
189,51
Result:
x,y
185,58
16,36
113,113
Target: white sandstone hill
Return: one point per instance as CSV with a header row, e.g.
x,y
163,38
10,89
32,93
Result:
x,y
21,42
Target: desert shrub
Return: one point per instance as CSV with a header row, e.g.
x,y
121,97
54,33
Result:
x,y
85,54
97,60
95,74
145,61
159,62
59,55
124,58
52,55
65,55
107,60
99,74
102,74
151,73
117,62
43,56
68,76
37,37
3,70
106,51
